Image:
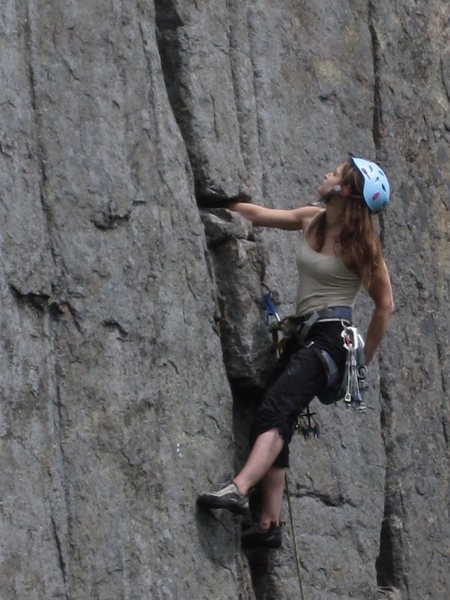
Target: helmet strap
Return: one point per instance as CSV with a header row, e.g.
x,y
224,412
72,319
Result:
x,y
327,197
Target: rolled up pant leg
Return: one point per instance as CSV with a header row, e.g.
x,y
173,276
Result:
x,y
302,378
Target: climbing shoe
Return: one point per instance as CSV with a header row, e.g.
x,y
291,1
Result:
x,y
228,497
257,536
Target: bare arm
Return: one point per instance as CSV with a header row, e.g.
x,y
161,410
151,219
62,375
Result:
x,y
380,291
291,219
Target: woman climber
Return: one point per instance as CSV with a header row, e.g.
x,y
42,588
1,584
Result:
x,y
339,251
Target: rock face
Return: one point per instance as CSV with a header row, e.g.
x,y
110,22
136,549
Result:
x,y
133,339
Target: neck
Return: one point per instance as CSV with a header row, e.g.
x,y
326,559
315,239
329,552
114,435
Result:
x,y
334,212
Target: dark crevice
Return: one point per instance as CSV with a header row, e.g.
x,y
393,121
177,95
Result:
x,y
168,22
377,105
384,563
235,47
167,16
32,299
246,397
445,74
42,303
264,586
256,78
61,561
246,387
40,150
388,563
245,390
65,483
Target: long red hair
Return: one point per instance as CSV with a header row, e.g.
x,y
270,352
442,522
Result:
x,y
359,241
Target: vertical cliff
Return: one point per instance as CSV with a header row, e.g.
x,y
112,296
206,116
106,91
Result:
x,y
133,341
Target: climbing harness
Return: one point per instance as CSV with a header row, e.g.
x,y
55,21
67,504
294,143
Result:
x,y
352,386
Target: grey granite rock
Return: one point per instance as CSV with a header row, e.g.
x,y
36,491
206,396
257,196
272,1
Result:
x,y
133,338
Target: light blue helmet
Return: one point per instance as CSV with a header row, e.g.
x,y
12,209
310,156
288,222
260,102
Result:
x,y
376,185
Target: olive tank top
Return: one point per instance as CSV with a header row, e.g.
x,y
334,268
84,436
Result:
x,y
323,281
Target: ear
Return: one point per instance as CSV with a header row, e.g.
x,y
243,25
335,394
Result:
x,y
346,191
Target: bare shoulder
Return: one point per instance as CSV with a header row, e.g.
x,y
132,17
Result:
x,y
306,214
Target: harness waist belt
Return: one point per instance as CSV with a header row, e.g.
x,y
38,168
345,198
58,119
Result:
x,y
332,312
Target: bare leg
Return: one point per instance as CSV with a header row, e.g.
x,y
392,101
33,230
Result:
x,y
272,490
265,450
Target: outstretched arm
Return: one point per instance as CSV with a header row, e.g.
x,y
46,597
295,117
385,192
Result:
x,y
291,219
380,291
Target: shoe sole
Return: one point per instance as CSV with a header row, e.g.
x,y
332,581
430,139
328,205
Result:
x,y
214,503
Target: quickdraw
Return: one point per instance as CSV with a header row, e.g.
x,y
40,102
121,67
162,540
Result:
x,y
354,382
307,424
271,308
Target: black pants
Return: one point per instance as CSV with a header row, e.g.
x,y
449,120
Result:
x,y
299,376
